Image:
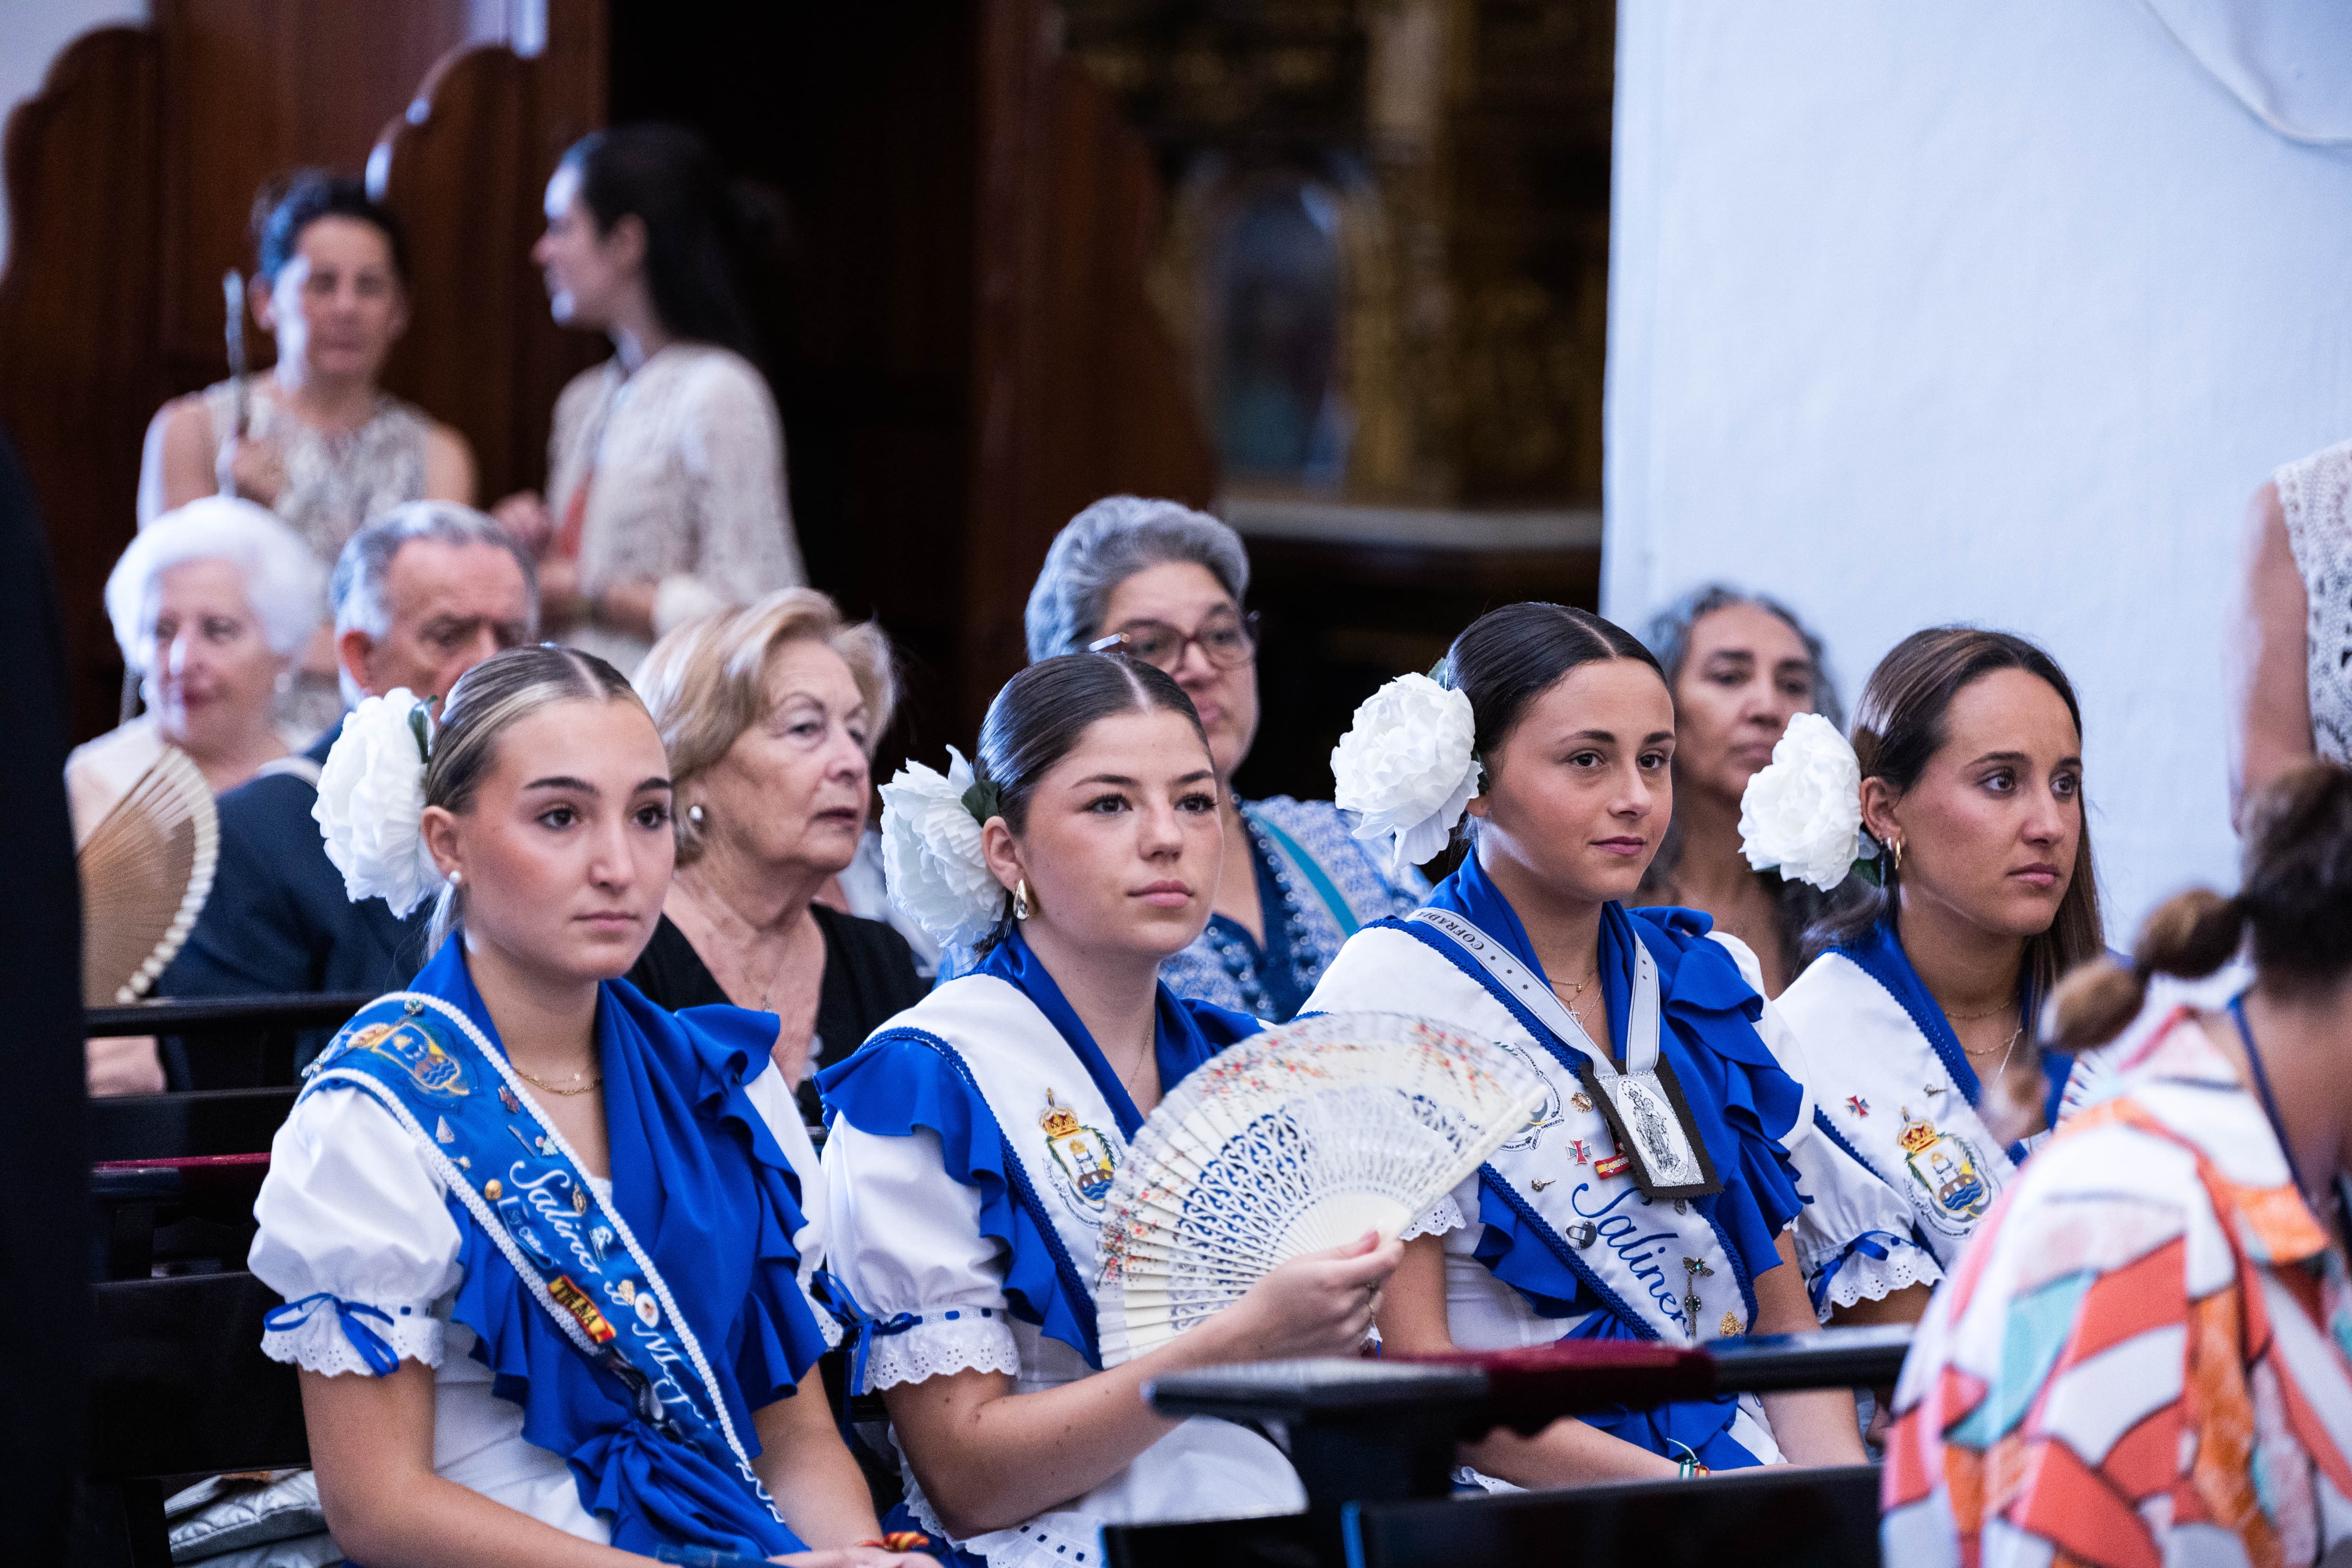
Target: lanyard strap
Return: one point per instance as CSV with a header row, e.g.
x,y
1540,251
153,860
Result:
x,y
1642,1027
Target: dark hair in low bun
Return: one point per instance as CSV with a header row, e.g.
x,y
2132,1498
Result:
x,y
1042,714
2296,901
1508,657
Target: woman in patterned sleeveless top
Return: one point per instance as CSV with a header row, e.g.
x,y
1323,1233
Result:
x,y
316,438
2291,649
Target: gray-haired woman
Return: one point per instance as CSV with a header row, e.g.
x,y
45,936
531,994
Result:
x,y
1164,583
1740,665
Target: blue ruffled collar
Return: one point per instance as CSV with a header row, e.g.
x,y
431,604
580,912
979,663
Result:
x,y
1178,1042
1694,976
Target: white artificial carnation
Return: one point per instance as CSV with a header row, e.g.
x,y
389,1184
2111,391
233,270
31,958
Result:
x,y
1407,767
931,859
371,801
1804,812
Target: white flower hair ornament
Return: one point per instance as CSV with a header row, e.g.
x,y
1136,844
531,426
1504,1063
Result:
x,y
1804,812
1407,767
931,860
371,801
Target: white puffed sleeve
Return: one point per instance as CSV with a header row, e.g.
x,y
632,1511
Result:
x,y
1854,1239
772,1098
355,1233
904,1239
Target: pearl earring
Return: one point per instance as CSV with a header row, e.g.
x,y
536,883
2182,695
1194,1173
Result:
x,y
457,879
694,815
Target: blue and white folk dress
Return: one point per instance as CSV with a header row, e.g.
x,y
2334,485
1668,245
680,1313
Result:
x,y
1559,1242
418,1207
973,1141
1905,1170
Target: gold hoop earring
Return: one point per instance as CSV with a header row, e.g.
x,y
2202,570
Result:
x,y
1021,900
1895,847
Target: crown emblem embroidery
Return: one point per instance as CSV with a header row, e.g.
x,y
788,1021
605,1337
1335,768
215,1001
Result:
x,y
1916,1134
1083,1160
1059,1120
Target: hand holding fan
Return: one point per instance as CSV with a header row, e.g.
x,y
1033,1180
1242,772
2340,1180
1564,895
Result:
x,y
1295,1140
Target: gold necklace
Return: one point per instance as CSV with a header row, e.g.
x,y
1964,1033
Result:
x,y
1575,990
1978,1017
597,1083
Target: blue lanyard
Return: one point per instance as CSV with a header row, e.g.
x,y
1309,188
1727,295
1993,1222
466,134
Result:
x,y
2263,1084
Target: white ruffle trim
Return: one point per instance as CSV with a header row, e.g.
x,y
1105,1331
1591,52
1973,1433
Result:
x,y
936,1346
826,1323
318,1343
1863,1278
1446,1216
1056,1539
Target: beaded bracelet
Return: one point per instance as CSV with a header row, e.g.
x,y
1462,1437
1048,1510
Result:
x,y
900,1540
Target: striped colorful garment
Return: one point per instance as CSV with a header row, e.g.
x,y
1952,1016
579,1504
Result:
x,y
2129,1364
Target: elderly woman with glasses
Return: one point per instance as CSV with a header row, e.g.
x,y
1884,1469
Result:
x,y
1164,583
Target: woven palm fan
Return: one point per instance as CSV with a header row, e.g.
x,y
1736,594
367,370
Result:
x,y
146,869
1299,1138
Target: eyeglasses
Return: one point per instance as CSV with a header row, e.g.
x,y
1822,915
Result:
x,y
1228,640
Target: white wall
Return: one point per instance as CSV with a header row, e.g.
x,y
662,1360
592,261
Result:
x,y
32,32
1995,311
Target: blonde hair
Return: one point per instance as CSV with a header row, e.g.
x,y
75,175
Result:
x,y
706,682
486,702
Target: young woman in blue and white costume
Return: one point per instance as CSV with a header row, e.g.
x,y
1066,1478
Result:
x,y
1556,728
539,1238
1919,1017
974,1137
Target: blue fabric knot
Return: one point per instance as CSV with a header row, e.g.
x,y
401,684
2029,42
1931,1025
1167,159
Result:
x,y
372,1348
1870,1244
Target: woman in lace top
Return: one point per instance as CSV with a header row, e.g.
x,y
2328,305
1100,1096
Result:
x,y
975,1136
316,438
1165,584
2290,654
666,469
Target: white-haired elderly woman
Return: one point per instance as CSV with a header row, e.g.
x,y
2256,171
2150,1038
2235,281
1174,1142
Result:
x,y
769,715
211,603
1164,583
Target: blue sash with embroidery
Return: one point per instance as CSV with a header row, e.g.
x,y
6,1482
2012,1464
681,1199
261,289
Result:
x,y
681,1469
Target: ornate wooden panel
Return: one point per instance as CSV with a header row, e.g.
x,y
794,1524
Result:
x,y
1079,391
466,167
78,307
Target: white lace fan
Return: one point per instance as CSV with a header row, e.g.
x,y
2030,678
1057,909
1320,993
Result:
x,y
1299,1138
